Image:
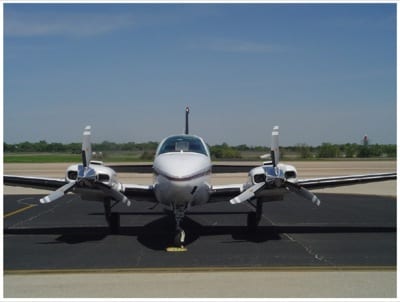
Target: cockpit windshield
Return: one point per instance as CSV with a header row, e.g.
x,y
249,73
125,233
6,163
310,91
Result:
x,y
183,143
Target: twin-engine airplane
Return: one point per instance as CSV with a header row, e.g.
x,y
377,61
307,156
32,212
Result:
x,y
182,171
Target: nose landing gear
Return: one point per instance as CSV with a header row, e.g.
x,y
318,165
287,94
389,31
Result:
x,y
179,238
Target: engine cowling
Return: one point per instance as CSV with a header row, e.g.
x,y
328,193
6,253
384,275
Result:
x,y
274,179
89,191
266,172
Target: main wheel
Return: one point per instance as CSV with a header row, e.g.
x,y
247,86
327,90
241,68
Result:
x,y
252,221
113,221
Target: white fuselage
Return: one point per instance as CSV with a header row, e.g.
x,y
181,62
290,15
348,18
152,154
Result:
x,y
182,177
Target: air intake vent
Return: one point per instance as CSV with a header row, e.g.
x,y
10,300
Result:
x,y
72,175
290,174
259,178
104,178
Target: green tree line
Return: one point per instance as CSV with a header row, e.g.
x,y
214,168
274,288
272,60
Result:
x,y
328,150
43,146
222,151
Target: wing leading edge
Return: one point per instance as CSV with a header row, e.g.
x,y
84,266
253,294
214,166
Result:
x,y
139,192
338,181
51,184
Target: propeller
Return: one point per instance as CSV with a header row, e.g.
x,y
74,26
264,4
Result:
x,y
87,177
275,146
272,177
277,182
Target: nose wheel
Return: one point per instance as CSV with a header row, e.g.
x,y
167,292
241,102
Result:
x,y
179,238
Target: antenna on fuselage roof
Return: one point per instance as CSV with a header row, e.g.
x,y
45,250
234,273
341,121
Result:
x,y
187,120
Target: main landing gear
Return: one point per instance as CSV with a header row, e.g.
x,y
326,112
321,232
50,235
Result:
x,y
253,218
112,218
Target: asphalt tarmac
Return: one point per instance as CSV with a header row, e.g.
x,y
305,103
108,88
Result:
x,y
344,248
346,230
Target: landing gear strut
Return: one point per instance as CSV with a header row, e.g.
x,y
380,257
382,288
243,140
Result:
x,y
112,218
253,218
179,238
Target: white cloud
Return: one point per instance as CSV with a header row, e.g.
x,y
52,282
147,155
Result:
x,y
72,24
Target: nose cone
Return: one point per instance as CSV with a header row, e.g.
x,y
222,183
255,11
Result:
x,y
181,166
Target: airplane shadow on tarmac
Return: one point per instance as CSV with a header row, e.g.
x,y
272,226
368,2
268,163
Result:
x,y
151,237
158,234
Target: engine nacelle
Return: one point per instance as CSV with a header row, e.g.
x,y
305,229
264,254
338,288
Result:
x,y
265,172
274,177
103,174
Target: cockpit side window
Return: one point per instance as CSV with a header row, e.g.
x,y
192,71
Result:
x,y
183,144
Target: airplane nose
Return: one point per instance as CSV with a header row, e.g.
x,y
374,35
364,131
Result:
x,y
181,166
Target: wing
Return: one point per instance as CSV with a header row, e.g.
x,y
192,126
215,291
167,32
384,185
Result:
x,y
221,193
330,182
45,183
133,168
240,193
139,192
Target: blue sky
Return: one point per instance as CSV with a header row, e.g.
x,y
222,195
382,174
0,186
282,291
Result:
x,y
322,72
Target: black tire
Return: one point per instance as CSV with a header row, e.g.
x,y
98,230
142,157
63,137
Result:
x,y
114,223
177,238
252,221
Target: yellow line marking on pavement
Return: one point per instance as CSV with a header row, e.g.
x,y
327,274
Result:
x,y
19,210
176,249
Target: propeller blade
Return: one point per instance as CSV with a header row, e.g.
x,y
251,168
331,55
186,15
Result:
x,y
265,156
86,147
275,146
248,194
303,192
120,197
60,192
115,194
